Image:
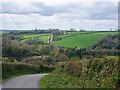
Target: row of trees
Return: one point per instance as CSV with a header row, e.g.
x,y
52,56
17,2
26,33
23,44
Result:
x,y
34,41
15,32
13,48
110,42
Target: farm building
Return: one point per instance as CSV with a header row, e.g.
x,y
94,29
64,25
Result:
x,y
57,32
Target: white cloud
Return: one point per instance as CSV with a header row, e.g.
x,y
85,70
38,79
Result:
x,y
64,14
62,1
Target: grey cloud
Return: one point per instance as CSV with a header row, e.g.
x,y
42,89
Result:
x,y
50,11
99,10
15,8
103,10
38,8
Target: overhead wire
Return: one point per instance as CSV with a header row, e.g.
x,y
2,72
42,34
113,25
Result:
x,y
17,24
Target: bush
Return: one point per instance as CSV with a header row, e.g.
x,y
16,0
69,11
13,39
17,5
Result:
x,y
12,69
34,41
88,73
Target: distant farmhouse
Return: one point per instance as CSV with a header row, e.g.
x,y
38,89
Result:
x,y
57,32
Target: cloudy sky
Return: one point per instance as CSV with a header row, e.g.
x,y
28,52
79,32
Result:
x,y
63,14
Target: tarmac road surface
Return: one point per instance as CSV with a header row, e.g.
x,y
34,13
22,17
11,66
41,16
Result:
x,y
26,81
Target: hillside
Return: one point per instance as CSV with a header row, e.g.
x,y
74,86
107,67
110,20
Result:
x,y
109,42
91,73
81,39
23,52
43,37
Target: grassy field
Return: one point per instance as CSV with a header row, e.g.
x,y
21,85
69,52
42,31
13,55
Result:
x,y
73,39
81,40
43,37
106,33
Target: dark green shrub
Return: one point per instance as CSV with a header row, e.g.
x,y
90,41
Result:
x,y
12,69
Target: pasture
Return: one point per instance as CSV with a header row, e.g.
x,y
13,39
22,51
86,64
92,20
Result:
x,y
81,40
72,39
43,37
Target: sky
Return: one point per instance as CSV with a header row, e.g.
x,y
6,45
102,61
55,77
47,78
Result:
x,y
62,14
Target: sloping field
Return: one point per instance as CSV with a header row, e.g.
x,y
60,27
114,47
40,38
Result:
x,y
81,40
43,37
107,33
73,39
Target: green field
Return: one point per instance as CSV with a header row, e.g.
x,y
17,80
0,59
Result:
x,y
43,37
72,39
81,40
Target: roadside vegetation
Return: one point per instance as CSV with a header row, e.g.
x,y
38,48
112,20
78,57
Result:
x,y
85,73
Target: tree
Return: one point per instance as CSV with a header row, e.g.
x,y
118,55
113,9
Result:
x,y
33,41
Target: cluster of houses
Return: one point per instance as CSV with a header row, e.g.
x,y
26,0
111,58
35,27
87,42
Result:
x,y
54,33
57,32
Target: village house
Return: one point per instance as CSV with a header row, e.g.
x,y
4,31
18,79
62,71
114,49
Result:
x,y
57,32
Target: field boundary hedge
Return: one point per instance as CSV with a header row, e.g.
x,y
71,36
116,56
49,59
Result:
x,y
13,69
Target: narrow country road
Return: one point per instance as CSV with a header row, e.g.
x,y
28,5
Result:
x,y
26,81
